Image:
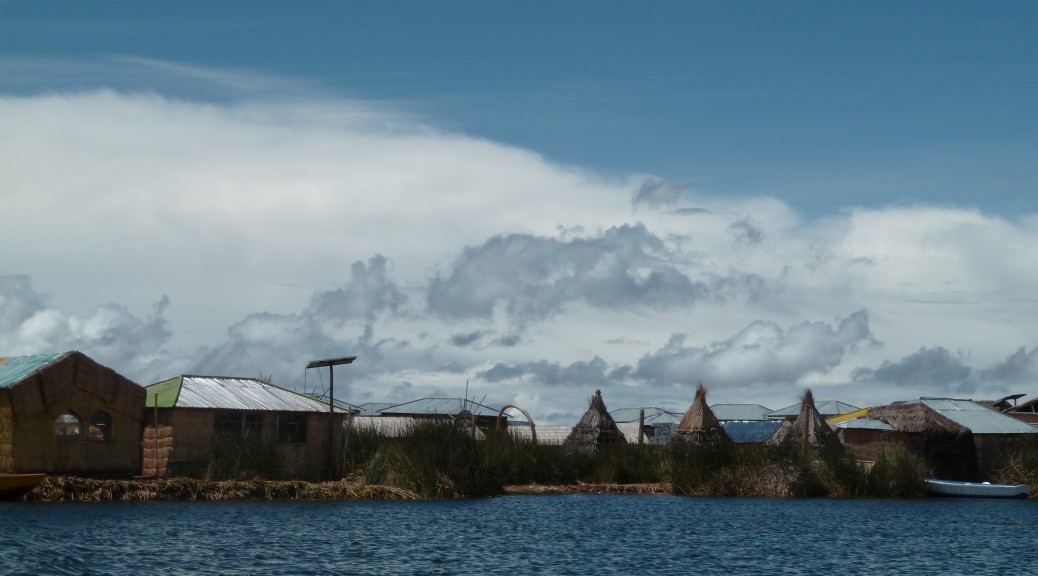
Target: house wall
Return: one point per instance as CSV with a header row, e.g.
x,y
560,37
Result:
x,y
6,432
194,440
990,447
866,445
77,385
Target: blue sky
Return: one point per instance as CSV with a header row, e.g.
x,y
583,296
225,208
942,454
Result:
x,y
539,199
824,104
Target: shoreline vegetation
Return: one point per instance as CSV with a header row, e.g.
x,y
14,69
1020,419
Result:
x,y
440,460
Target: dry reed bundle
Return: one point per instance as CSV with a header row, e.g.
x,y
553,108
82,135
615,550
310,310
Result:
x,y
595,429
808,430
698,426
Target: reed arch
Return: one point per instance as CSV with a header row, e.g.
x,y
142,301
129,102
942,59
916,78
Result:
x,y
501,420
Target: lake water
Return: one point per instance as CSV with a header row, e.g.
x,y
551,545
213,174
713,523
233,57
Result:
x,y
570,534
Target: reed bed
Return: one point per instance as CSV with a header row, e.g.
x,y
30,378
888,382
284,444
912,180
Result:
x,y
787,471
447,460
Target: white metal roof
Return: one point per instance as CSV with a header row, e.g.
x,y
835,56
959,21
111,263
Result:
x,y
739,411
978,418
227,393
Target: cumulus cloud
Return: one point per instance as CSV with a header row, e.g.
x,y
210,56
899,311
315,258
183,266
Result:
x,y
656,193
931,371
583,375
762,353
111,332
533,278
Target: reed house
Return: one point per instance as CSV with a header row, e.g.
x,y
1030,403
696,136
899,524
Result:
x,y
66,414
190,418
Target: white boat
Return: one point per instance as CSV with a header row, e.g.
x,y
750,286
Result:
x,y
956,489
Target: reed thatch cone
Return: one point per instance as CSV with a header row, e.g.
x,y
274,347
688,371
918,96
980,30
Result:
x,y
808,430
595,429
698,426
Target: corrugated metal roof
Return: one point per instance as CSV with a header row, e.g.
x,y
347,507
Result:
x,y
979,419
864,423
373,408
552,435
746,431
225,393
17,368
653,415
389,426
739,411
826,408
445,406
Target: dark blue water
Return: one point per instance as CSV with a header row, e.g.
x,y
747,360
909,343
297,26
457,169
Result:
x,y
577,534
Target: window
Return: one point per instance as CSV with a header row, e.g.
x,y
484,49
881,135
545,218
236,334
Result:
x,y
238,425
100,427
252,426
292,428
227,425
67,427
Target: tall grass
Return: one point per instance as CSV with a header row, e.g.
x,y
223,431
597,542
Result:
x,y
1018,465
245,459
784,471
437,459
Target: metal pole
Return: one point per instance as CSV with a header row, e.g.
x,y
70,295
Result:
x,y
331,422
331,363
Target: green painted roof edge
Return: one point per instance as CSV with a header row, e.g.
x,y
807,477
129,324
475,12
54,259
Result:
x,y
164,394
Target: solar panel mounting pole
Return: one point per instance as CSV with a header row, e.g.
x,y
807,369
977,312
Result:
x,y
331,363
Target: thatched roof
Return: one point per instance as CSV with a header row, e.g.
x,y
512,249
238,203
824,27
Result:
x,y
916,418
699,425
596,428
809,429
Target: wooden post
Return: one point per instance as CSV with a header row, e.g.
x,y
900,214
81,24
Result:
x,y
641,426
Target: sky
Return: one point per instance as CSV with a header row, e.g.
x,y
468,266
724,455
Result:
x,y
528,201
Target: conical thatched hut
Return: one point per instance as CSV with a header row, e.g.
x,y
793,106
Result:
x,y
807,430
698,426
596,429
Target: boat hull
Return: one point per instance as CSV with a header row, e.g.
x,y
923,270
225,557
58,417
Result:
x,y
14,485
956,489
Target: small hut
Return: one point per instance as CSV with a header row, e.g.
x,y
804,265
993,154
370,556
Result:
x,y
698,426
65,413
596,429
192,417
808,430
959,439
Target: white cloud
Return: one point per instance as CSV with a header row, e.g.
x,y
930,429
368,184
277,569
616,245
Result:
x,y
166,236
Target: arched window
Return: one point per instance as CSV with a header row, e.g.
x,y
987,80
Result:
x,y
100,427
67,427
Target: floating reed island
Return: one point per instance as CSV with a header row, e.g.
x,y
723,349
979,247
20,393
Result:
x,y
453,459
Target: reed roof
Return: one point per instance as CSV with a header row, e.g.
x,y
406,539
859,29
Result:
x,y
699,425
596,428
809,429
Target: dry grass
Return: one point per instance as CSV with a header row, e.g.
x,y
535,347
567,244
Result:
x,y
71,488
590,488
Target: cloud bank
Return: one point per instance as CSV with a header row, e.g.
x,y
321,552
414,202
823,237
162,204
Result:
x,y
163,236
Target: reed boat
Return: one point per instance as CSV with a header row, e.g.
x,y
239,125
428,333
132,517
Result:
x,y
14,485
957,489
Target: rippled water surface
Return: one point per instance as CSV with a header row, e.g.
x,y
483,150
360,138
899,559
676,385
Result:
x,y
573,534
